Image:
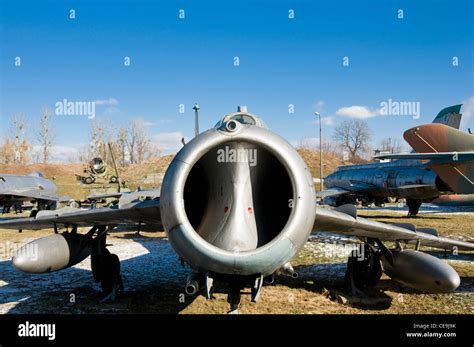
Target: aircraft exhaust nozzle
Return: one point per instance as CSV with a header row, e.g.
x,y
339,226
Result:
x,y
421,271
51,253
237,199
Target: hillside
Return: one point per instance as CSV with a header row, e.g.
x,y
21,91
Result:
x,y
330,161
147,175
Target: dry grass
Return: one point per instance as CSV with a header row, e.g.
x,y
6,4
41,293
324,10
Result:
x,y
308,294
316,291
330,161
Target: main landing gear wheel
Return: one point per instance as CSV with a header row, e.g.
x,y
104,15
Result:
x,y
413,207
364,269
106,267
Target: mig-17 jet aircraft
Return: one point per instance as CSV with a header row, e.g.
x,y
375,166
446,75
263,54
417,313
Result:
x,y
406,178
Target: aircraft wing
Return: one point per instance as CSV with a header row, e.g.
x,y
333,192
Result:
x,y
343,187
335,191
453,157
129,196
33,194
146,211
103,196
344,220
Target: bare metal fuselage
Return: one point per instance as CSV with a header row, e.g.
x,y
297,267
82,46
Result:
x,y
16,189
409,179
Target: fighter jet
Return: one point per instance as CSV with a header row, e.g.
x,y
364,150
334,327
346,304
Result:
x,y
237,203
409,179
17,189
450,153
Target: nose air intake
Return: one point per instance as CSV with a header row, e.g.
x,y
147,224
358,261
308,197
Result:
x,y
237,199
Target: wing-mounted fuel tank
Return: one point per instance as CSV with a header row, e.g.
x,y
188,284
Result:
x,y
420,271
238,199
52,253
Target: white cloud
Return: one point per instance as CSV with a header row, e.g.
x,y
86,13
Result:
x,y
355,111
467,111
107,102
59,154
169,142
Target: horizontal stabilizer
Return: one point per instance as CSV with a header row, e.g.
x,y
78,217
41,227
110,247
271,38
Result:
x,y
454,157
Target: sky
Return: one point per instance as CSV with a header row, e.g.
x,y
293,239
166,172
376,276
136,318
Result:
x,y
284,60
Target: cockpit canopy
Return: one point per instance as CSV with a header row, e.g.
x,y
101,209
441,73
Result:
x,y
243,117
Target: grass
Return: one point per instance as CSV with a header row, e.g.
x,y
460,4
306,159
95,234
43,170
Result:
x,y
316,291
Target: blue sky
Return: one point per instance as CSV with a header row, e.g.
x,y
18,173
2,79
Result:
x,y
283,61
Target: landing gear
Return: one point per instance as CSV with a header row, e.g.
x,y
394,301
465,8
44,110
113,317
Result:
x,y
363,269
232,285
344,200
105,266
413,207
233,296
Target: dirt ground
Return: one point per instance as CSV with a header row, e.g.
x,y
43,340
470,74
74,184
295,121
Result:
x,y
154,278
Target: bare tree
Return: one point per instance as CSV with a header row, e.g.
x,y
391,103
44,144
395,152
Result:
x,y
391,145
45,135
353,135
7,151
138,144
121,147
131,145
19,141
98,140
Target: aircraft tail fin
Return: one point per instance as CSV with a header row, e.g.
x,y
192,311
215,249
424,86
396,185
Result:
x,y
450,116
434,138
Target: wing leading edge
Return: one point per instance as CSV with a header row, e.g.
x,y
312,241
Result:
x,y
344,220
445,157
147,212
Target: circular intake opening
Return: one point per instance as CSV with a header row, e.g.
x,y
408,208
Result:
x,y
238,196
